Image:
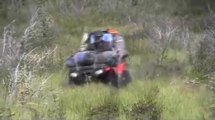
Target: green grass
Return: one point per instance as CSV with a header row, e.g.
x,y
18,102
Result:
x,y
173,100
164,98
158,99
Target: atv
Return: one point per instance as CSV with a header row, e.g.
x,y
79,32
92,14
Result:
x,y
110,71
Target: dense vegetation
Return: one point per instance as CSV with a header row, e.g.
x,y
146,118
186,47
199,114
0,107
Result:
x,y
171,46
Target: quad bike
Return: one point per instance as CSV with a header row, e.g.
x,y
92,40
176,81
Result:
x,y
113,71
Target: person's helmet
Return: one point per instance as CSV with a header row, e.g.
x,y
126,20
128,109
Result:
x,y
112,31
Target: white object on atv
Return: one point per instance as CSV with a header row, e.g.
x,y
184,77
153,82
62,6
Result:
x,y
83,41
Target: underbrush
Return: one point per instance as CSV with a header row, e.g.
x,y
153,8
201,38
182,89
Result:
x,y
157,99
150,100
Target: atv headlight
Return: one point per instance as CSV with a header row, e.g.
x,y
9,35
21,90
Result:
x,y
99,72
74,75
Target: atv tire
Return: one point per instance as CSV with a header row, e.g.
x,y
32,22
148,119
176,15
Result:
x,y
79,80
121,80
125,78
111,78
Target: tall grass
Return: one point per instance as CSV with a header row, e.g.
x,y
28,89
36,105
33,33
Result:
x,y
154,97
145,99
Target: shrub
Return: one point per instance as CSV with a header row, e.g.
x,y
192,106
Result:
x,y
205,55
148,108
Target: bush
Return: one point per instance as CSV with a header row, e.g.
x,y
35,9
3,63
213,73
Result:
x,y
148,108
205,55
41,31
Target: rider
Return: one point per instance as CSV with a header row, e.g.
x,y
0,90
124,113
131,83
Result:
x,y
100,41
118,43
110,38
103,42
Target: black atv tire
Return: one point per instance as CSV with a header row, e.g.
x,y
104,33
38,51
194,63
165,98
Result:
x,y
114,81
79,80
125,78
110,77
104,78
121,81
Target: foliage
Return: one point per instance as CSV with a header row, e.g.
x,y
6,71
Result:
x,y
162,37
41,31
139,99
204,59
